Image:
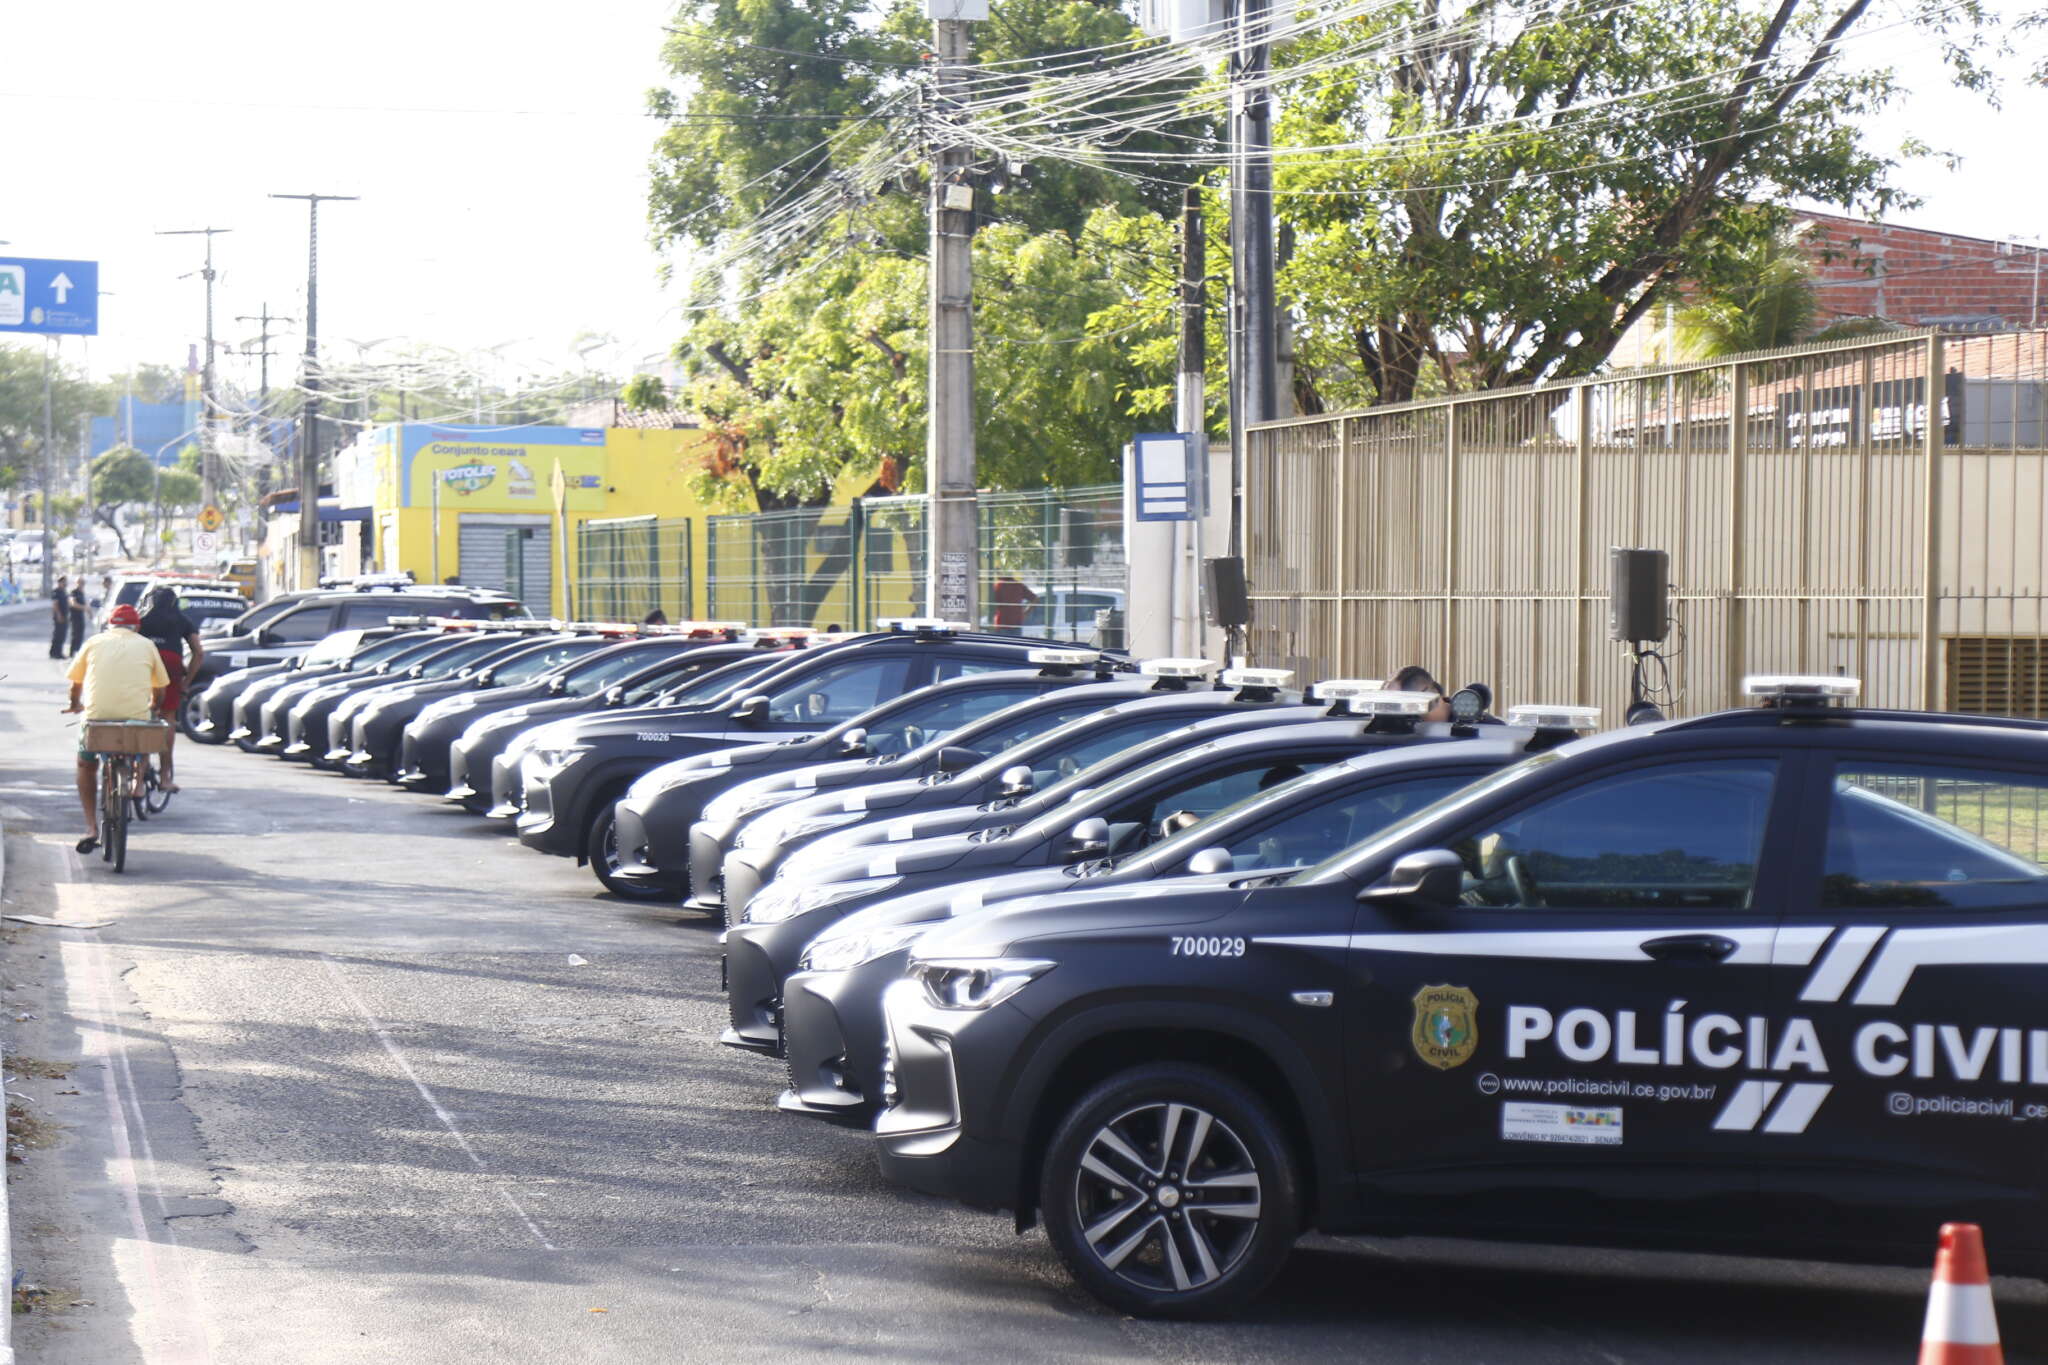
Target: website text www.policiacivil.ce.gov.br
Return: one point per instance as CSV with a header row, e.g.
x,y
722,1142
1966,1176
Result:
x,y
1588,1087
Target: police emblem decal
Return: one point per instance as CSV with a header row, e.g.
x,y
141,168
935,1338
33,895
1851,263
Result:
x,y
1446,1028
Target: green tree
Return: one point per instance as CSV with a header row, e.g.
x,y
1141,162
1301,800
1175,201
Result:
x,y
21,411
122,477
1767,301
644,393
1530,179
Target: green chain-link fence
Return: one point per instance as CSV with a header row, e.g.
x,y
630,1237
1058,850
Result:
x,y
627,567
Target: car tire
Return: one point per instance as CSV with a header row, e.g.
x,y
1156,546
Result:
x,y
191,713
602,849
1137,1234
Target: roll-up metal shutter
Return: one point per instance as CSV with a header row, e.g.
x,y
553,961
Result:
x,y
512,554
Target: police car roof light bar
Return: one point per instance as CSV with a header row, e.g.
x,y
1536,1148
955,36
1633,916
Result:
x,y
923,625
1266,678
1394,703
1579,720
1063,658
1343,690
1177,668
1801,690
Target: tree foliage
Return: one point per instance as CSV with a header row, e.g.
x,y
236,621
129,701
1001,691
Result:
x,y
21,411
1767,302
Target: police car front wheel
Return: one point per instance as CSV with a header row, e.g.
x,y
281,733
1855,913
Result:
x,y
1170,1190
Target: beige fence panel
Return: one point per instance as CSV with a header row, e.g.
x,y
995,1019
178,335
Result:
x,y
1821,515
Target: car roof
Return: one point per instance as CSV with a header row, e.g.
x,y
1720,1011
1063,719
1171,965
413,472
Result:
x,y
1916,731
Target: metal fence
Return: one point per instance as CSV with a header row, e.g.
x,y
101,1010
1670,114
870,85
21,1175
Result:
x,y
1819,515
629,566
860,564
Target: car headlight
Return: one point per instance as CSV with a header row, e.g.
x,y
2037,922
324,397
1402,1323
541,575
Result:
x,y
557,757
780,900
844,952
976,983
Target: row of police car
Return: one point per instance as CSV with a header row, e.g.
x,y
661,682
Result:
x,y
1182,964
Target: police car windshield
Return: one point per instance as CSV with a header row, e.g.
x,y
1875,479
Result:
x,y
713,686
1243,811
1338,866
335,646
1060,816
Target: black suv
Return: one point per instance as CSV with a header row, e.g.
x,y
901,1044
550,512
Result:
x,y
1764,981
570,780
283,628
648,852
214,704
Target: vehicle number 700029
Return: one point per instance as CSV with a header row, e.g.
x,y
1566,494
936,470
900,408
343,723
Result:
x,y
1210,946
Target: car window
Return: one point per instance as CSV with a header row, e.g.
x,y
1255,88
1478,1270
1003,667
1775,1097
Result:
x,y
840,691
954,666
1314,829
456,656
530,666
708,680
1913,836
377,651
1680,836
378,612
1090,746
932,719
309,623
994,734
1187,801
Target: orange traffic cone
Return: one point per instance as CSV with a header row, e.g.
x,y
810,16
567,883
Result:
x,y
1961,1328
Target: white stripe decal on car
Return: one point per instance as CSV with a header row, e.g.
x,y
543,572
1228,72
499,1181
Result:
x,y
1746,1106
1797,1109
2018,945
1840,966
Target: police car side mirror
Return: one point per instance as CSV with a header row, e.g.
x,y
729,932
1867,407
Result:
x,y
1089,839
1019,781
854,742
614,695
956,758
1430,877
557,686
1209,861
753,710
487,678
415,671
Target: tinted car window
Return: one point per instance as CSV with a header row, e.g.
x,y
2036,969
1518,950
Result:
x,y
1913,836
308,623
840,691
531,666
1189,801
1316,829
952,666
1682,836
377,612
938,717
997,734
1092,746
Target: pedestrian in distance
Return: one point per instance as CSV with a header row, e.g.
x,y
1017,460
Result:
x,y
78,614
657,617
60,616
1012,604
166,626
117,676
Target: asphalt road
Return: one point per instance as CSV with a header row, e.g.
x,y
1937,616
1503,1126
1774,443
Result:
x,y
352,1077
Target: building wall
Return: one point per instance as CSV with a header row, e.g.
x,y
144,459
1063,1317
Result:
x,y
1920,277
493,472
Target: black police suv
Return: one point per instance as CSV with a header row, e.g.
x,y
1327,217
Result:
x,y
216,701
572,776
1012,785
646,854
484,764
831,1017
284,627
1199,774
454,665
1762,981
378,728
293,722
673,819
429,736
263,712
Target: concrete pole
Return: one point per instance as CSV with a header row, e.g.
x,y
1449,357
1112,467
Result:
x,y
209,458
952,526
309,422
1190,414
49,462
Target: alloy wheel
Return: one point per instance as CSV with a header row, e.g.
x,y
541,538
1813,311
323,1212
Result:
x,y
1167,1197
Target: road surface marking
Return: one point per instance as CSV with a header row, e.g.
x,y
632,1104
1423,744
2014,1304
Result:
x,y
376,1026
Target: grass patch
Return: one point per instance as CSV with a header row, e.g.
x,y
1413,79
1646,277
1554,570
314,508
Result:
x,y
19,1065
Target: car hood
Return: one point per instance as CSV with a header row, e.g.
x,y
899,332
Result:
x,y
937,903
1011,926
715,767
897,860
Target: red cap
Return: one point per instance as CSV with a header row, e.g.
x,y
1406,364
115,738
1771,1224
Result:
x,y
124,615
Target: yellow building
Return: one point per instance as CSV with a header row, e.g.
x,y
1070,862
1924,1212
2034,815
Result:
x,y
476,505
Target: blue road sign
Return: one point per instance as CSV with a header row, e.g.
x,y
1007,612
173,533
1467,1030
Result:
x,y
52,297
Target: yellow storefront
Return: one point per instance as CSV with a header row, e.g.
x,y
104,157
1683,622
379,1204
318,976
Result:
x,y
496,524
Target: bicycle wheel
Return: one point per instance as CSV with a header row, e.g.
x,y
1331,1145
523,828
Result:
x,y
117,824
109,803
138,806
156,798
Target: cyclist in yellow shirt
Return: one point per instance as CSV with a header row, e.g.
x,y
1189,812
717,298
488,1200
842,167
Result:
x,y
118,675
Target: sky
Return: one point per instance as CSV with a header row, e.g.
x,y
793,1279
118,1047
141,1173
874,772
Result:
x,y
500,153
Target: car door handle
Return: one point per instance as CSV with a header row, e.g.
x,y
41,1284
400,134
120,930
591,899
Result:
x,y
1690,948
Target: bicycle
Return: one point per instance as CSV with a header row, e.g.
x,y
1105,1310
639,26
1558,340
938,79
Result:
x,y
121,745
155,798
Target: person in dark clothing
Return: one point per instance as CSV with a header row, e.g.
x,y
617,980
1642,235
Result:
x,y
60,617
78,614
1416,678
166,626
657,617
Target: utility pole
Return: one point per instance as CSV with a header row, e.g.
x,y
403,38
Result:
x,y
952,518
309,422
263,352
49,464
1254,396
209,457
92,540
1190,411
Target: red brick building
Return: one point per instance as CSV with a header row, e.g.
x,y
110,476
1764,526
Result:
x,y
1920,278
